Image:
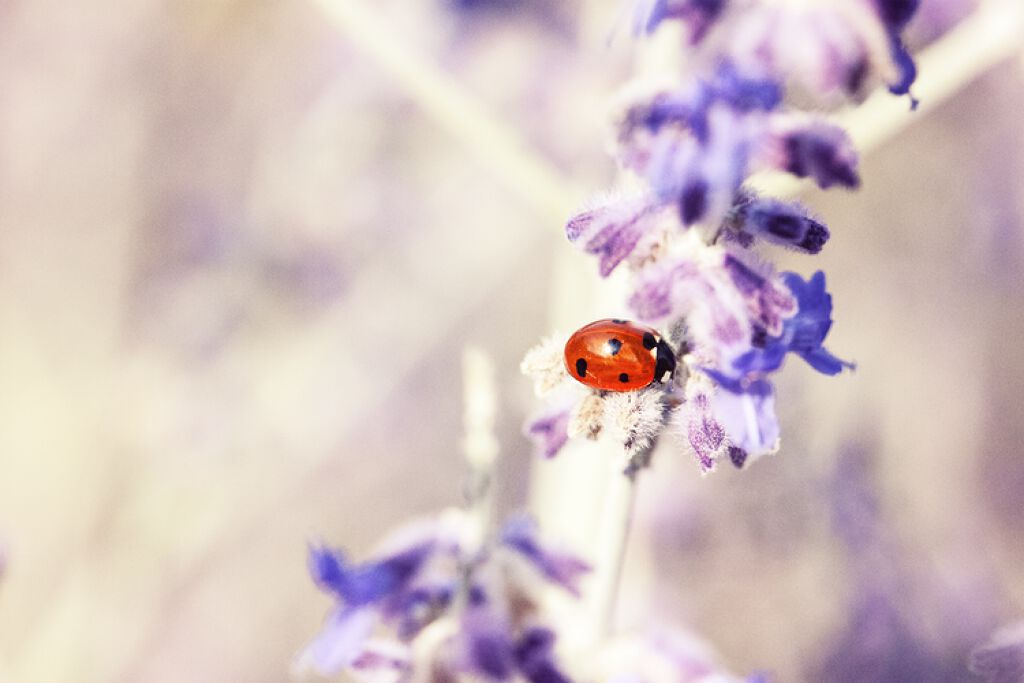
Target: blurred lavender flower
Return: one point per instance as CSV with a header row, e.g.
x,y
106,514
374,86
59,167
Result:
x,y
550,430
697,15
521,534
831,50
430,579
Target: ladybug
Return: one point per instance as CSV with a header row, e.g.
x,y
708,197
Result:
x,y
618,355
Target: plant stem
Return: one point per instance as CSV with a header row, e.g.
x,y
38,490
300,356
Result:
x,y
620,499
480,445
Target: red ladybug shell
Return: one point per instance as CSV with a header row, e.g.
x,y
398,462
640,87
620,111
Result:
x,y
617,355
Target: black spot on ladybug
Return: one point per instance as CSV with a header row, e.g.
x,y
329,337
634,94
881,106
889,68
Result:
x,y
623,377
666,362
581,367
618,321
614,345
649,341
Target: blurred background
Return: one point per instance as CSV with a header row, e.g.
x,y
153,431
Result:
x,y
243,244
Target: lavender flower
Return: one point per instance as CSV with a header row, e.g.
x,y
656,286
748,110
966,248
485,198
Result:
x,y
833,50
549,430
809,147
784,223
895,15
740,320
697,15
803,334
691,145
731,317
432,580
696,422
520,534
614,228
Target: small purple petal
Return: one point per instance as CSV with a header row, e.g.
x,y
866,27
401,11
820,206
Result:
x,y
693,202
738,456
414,609
784,223
697,15
491,655
896,14
704,433
658,289
802,334
906,68
610,231
520,534
613,245
549,432
706,436
533,654
749,418
768,301
358,585
806,331
488,643
377,657
341,640
824,153
745,94
685,110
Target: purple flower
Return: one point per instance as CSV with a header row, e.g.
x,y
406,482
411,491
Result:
x,y
414,591
697,15
743,93
371,582
692,146
549,431
658,288
487,641
805,332
768,302
784,223
405,588
367,593
704,433
827,50
520,535
802,334
895,15
811,148
535,659
719,298
341,641
612,229
492,650
749,421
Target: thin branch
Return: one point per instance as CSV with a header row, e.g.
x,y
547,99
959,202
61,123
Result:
x,y
480,445
454,109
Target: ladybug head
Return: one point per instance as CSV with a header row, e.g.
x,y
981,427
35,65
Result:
x,y
665,363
